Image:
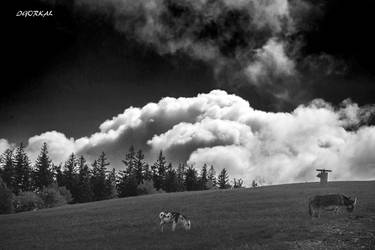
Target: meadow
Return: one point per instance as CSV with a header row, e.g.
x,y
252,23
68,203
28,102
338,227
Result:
x,y
270,217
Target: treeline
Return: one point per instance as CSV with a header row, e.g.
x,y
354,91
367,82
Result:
x,y
24,186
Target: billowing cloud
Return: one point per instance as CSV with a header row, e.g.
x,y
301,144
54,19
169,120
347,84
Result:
x,y
247,42
4,144
224,130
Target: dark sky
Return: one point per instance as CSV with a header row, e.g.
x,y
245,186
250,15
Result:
x,y
72,71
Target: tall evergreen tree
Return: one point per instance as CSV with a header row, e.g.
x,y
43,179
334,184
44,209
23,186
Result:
x,y
22,170
130,161
98,180
85,193
171,182
128,177
203,178
142,171
43,175
159,171
70,176
191,179
181,177
111,184
223,179
7,169
211,178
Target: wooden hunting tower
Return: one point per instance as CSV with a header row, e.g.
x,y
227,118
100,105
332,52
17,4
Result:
x,y
323,175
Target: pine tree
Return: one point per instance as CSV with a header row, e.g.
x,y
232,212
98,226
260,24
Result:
x,y
181,177
129,161
191,180
142,171
111,184
203,178
43,169
22,170
171,184
211,179
98,180
84,192
159,171
128,177
70,176
7,172
223,179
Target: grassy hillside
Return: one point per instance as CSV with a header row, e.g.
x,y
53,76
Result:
x,y
273,217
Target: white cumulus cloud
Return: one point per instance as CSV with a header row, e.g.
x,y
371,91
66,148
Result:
x,y
224,130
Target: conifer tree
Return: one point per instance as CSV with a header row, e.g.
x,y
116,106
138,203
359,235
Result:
x,y
43,175
211,178
111,184
203,178
22,170
128,177
171,184
142,171
181,177
223,179
159,171
70,176
7,169
191,180
98,179
85,193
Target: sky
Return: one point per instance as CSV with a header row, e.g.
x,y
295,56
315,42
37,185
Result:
x,y
269,90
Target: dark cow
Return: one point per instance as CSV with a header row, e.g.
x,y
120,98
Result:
x,y
330,202
174,218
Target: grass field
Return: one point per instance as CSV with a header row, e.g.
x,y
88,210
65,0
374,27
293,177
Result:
x,y
272,217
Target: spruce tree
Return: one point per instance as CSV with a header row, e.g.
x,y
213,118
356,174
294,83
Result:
x,y
141,168
159,171
7,169
111,184
181,177
191,179
223,179
171,183
43,175
22,170
211,178
203,178
70,176
98,180
84,191
128,180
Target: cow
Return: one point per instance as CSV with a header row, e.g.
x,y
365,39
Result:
x,y
174,218
330,202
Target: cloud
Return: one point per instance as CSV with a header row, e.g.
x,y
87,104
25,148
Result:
x,y
247,42
270,60
224,130
4,144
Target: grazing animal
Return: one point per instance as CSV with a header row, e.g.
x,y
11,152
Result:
x,y
330,202
174,218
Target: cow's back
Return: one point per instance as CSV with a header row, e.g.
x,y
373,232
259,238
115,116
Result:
x,y
327,200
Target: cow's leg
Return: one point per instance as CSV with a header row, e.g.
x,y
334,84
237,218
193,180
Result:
x,y
161,226
318,214
174,226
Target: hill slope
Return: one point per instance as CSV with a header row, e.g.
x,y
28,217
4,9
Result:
x,y
273,217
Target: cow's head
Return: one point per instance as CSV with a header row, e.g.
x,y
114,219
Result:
x,y
351,203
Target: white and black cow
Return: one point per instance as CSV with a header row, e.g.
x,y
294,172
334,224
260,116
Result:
x,y
330,202
174,218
